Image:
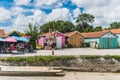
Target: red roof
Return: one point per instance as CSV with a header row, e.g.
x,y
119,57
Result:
x,y
50,33
46,34
95,34
71,33
115,31
2,33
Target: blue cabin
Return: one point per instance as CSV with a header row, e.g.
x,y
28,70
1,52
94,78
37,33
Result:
x,y
102,39
117,32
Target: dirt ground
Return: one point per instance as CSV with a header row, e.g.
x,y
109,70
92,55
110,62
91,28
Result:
x,y
69,76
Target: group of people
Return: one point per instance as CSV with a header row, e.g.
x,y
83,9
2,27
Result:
x,y
15,47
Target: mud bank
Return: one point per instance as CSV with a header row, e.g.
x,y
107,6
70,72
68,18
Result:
x,y
83,64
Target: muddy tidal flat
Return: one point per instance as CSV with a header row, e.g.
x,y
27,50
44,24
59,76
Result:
x,y
68,76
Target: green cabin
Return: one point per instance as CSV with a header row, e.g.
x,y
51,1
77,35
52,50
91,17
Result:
x,y
101,39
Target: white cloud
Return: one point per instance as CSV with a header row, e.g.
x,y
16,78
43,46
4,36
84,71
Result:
x,y
59,14
89,3
76,12
105,11
21,22
39,17
40,3
5,15
22,2
17,10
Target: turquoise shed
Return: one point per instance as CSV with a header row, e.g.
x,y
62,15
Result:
x,y
117,32
102,39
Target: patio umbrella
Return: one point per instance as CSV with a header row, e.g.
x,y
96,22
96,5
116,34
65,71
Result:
x,y
22,39
9,39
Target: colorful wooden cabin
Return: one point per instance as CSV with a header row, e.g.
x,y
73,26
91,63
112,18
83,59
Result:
x,y
75,38
54,37
117,33
102,39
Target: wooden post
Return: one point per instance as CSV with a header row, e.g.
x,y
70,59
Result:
x,y
52,51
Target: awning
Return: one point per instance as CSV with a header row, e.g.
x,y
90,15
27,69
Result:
x,y
22,39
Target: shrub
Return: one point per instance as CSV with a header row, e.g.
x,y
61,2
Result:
x,y
39,46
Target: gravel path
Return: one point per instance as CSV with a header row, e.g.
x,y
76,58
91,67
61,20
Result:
x,y
72,51
69,76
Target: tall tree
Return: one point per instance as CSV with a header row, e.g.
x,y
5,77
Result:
x,y
59,25
33,32
115,25
98,28
83,21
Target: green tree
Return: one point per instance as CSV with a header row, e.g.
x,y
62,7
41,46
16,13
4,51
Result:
x,y
33,32
83,21
98,28
59,25
88,29
115,25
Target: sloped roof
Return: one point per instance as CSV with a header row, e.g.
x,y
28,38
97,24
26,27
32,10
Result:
x,y
115,31
72,33
46,34
50,33
95,34
2,33
11,32
22,34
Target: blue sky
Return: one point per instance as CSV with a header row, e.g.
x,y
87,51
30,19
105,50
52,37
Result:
x,y
16,14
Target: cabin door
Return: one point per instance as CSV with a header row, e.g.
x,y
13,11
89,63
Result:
x,y
59,42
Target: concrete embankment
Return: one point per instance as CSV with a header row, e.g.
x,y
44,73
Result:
x,y
29,71
80,63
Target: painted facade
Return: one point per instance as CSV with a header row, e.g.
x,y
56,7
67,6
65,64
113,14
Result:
x,y
102,39
117,32
118,39
51,37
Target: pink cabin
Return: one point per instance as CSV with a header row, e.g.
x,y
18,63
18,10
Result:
x,y
52,37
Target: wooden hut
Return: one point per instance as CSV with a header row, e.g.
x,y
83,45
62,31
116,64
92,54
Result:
x,y
55,37
75,38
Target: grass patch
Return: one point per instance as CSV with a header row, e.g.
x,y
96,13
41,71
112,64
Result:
x,y
34,59
112,56
37,59
90,56
98,56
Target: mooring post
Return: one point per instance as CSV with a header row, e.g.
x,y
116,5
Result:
x,y
52,51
